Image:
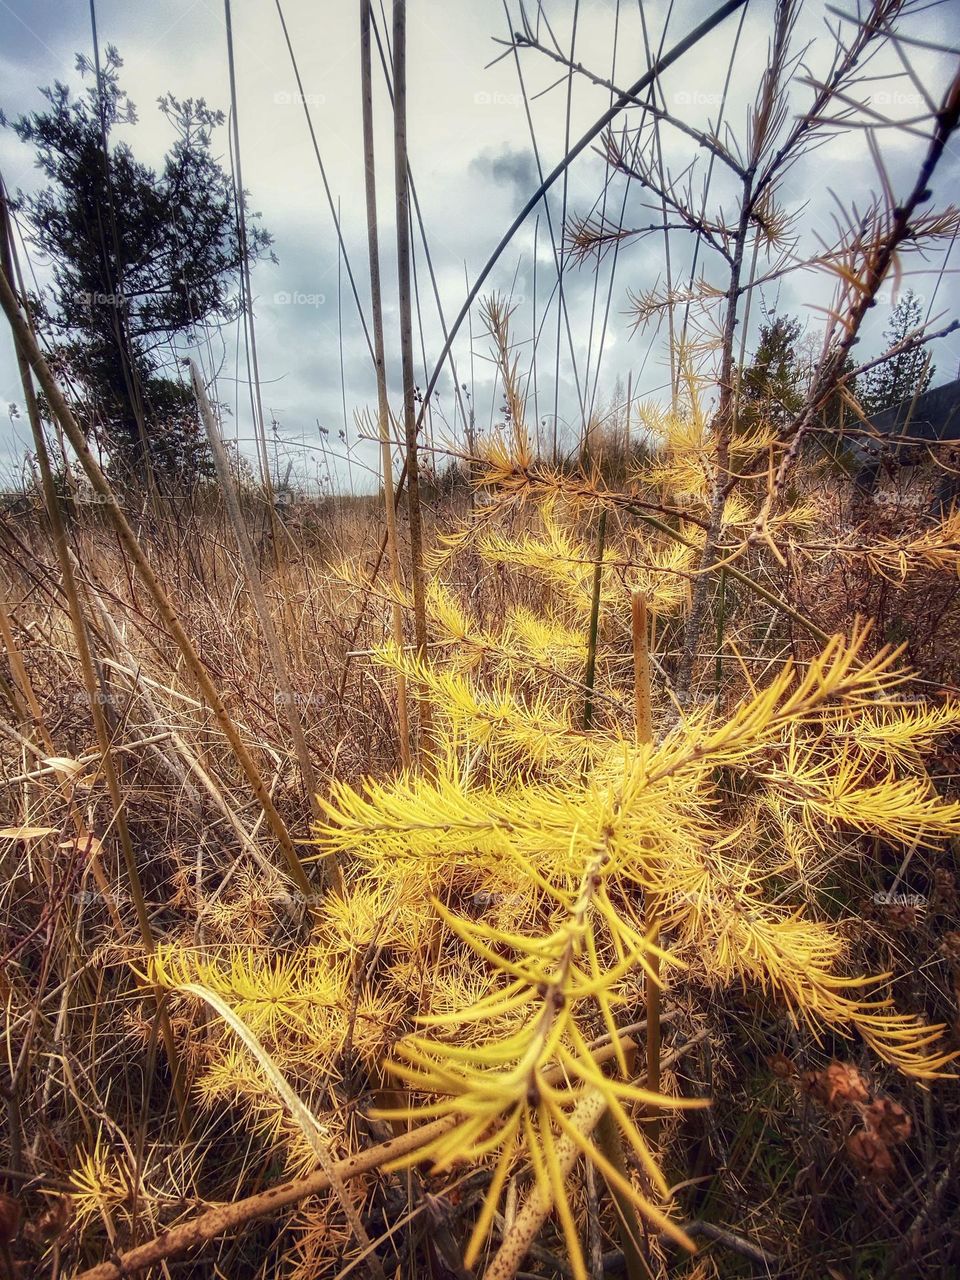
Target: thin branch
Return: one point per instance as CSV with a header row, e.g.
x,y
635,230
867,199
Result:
x,y
706,140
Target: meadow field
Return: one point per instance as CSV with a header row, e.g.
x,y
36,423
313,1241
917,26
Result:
x,y
540,858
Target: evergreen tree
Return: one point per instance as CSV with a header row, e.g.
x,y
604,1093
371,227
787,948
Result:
x,y
771,386
904,375
138,257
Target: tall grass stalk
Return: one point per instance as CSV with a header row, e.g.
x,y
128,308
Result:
x,y
590,673
85,656
644,730
255,587
131,545
383,408
410,417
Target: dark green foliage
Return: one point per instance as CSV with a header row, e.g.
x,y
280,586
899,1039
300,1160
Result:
x,y
904,375
771,386
139,257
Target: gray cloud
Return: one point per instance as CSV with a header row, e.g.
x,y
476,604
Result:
x,y
509,168
473,165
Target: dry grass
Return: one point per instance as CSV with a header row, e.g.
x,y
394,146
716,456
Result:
x,y
92,1107
198,1008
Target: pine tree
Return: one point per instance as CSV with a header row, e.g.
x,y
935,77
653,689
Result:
x,y
139,256
904,375
771,386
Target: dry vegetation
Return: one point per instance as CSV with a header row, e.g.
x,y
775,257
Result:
x,y
649,962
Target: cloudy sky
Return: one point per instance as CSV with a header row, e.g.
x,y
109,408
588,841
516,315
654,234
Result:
x,y
474,162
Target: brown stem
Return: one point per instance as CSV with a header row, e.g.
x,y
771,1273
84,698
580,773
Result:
x,y
631,1233
68,424
215,1222
383,409
722,430
401,179
641,667
641,676
255,587
85,656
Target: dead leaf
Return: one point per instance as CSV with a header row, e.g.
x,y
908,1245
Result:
x,y
87,844
63,764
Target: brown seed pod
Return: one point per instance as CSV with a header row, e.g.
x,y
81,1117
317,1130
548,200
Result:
x,y
781,1066
52,1223
888,1121
870,1155
840,1085
945,889
845,1084
900,915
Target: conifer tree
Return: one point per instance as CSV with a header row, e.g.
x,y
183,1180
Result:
x,y
139,256
904,375
771,386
